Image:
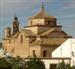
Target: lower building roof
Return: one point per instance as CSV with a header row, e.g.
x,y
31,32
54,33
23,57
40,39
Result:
x,y
49,41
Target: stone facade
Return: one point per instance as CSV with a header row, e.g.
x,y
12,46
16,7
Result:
x,y
42,36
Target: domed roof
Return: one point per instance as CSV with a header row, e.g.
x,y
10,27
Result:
x,y
42,14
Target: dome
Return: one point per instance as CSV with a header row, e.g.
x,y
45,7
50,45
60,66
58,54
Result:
x,y
42,14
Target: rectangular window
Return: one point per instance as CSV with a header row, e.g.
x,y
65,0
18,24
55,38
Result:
x,y
21,38
52,66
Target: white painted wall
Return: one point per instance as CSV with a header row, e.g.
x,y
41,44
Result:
x,y
47,62
67,49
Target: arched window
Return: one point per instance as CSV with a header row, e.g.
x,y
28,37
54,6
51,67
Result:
x,y
44,53
34,53
21,38
49,22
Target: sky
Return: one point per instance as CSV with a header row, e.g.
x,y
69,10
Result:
x,y
63,10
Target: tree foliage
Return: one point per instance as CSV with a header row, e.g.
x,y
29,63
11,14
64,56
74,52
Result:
x,y
16,62
31,63
4,64
63,65
73,67
34,63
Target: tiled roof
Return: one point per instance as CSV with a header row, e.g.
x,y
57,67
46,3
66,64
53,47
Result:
x,y
49,41
53,30
47,32
41,14
27,32
24,31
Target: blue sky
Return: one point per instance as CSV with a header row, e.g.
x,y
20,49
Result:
x,y
63,10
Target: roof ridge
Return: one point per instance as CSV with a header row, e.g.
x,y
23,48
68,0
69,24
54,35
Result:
x,y
50,30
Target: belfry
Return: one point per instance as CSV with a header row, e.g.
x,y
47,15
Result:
x,y
15,25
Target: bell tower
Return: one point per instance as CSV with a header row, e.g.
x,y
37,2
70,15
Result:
x,y
15,25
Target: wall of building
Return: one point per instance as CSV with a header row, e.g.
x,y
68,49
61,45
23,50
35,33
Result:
x,y
17,48
38,21
56,61
37,50
33,29
67,49
49,49
41,29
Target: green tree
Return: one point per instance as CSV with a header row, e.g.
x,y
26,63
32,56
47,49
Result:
x,y
34,63
63,65
15,62
73,67
4,64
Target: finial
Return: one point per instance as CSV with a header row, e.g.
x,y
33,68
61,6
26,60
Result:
x,y
16,18
43,6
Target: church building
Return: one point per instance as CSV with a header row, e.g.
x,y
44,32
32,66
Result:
x,y
41,36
